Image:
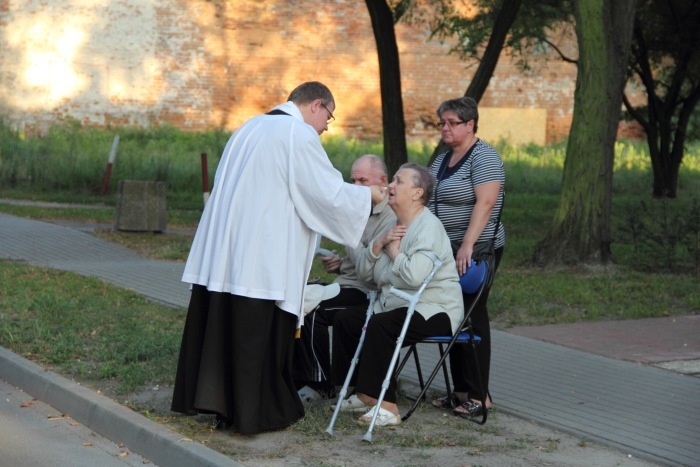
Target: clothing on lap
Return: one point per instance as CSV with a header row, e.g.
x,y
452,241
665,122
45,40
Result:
x,y
312,360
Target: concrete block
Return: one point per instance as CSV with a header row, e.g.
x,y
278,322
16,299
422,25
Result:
x,y
141,206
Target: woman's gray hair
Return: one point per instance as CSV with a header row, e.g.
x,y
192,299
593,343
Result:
x,y
309,92
465,108
422,179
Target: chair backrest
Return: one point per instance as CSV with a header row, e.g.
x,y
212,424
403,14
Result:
x,y
474,276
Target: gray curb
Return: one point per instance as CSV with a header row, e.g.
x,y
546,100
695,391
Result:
x,y
115,422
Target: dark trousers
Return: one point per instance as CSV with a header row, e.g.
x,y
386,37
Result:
x,y
383,331
464,374
312,351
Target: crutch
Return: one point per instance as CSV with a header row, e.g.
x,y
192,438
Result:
x,y
412,301
343,391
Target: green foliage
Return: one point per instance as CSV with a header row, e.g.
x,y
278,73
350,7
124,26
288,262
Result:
x,y
662,236
69,163
469,30
73,162
524,297
73,159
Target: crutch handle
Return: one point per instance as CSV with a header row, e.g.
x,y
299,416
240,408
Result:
x,y
401,294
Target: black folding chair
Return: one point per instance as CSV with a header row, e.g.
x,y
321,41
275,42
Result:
x,y
464,336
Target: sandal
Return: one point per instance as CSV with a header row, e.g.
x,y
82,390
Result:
x,y
446,403
469,409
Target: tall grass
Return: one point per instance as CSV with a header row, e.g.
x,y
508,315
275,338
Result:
x,y
70,161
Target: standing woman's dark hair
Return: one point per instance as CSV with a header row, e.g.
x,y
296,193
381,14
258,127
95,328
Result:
x,y
465,108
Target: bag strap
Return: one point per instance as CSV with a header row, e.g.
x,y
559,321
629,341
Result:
x,y
498,219
441,174
443,169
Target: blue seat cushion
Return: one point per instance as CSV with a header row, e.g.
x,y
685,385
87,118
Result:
x,y
463,337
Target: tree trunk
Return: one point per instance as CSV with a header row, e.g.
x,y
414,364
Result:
x,y
580,232
666,141
487,65
393,124
666,61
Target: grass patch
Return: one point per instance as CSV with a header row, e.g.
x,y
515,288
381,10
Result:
x,y
89,330
89,215
533,297
163,247
656,244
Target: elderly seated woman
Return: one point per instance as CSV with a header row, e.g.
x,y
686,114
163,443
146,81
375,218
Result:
x,y
397,258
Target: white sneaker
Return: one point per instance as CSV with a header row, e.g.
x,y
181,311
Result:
x,y
384,417
308,395
351,404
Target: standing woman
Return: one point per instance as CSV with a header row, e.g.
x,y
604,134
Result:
x,y
468,200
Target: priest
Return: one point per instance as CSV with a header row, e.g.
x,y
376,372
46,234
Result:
x,y
274,192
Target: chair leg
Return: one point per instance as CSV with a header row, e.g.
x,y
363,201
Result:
x,y
484,410
428,382
465,326
404,360
445,373
419,370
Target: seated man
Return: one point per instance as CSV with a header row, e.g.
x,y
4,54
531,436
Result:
x,y
312,361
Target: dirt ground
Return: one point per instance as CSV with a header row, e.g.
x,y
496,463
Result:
x,y
430,437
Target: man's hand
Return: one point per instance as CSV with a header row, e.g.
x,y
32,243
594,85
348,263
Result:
x,y
331,264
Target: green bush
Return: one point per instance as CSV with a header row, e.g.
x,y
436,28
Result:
x,y
71,160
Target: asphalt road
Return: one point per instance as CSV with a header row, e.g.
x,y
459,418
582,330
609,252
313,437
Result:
x,y
33,433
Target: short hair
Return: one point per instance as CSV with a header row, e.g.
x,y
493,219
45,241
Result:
x,y
375,162
309,92
422,179
465,108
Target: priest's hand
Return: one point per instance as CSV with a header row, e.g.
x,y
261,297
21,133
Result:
x,y
378,194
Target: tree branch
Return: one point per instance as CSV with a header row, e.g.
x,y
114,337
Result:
x,y
558,50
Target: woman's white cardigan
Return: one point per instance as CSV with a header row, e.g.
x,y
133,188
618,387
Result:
x,y
442,295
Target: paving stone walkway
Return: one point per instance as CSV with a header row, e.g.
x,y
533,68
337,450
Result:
x,y
573,379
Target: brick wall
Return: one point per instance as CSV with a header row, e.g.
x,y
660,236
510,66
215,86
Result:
x,y
200,64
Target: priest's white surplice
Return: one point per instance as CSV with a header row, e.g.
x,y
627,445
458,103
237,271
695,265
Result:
x,y
274,191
